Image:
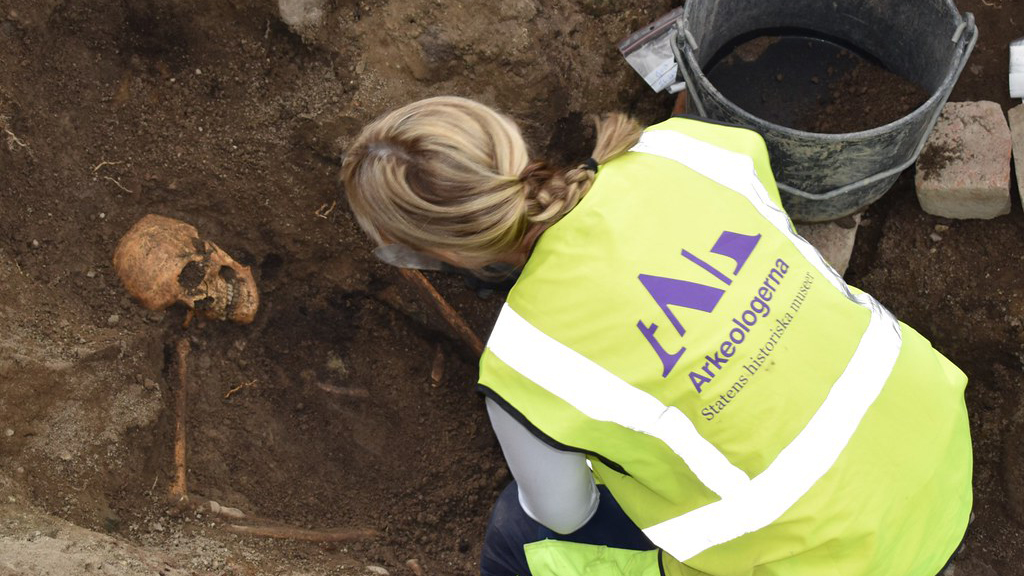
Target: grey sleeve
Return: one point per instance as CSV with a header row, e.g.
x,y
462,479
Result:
x,y
556,487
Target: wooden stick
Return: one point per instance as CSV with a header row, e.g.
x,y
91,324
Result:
x,y
106,163
290,533
680,104
179,489
118,184
239,387
450,315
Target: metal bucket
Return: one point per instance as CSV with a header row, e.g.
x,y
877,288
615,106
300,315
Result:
x,y
823,177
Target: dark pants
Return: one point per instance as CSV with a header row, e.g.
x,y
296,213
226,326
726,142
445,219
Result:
x,y
510,528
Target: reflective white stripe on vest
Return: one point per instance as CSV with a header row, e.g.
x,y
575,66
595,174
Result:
x,y
745,505
604,396
736,172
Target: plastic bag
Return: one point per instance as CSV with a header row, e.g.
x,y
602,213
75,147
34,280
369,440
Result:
x,y
649,51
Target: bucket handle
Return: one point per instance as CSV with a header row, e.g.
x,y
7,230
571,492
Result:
x,y
967,25
683,27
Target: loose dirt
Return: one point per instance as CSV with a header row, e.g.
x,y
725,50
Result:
x,y
225,117
812,84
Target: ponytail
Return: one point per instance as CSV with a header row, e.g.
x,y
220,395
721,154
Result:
x,y
551,194
450,175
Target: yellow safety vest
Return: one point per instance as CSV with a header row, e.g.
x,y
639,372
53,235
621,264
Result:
x,y
752,413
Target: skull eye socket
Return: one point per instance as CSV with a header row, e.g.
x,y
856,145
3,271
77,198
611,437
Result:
x,y
228,273
192,275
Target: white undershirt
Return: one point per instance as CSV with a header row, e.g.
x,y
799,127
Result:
x,y
556,487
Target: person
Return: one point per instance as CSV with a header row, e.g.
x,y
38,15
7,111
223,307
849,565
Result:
x,y
680,384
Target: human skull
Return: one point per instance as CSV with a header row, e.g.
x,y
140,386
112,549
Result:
x,y
162,261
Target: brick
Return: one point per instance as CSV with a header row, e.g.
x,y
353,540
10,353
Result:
x,y
834,240
964,169
1016,116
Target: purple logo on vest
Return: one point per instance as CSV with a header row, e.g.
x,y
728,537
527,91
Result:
x,y
685,294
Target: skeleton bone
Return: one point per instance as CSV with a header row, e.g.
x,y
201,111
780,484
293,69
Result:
x,y
162,261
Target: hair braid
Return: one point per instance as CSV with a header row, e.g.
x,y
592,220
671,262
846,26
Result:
x,y
552,194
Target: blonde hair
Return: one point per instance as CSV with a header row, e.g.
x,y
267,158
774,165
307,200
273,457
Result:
x,y
450,174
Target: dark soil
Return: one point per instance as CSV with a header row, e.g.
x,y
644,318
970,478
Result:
x,y
867,96
323,413
811,84
935,157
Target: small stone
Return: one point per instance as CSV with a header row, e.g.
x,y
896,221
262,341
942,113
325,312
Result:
x,y
90,274
227,511
377,570
303,16
65,456
103,215
20,469
336,364
8,432
35,244
941,228
113,319
150,385
199,72
156,527
935,237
